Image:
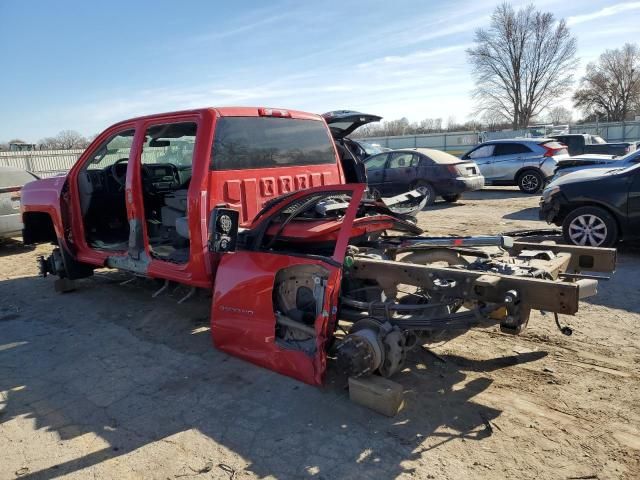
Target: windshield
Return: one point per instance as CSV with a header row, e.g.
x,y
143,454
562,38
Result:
x,y
267,142
371,148
597,139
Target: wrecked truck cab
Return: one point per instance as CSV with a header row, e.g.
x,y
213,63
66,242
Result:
x,y
237,200
138,198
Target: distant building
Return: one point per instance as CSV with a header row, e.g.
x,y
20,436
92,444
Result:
x,y
21,147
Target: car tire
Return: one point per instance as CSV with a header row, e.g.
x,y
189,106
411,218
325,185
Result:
x,y
451,198
530,181
591,227
427,190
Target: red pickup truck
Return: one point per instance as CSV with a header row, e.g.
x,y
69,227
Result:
x,y
254,205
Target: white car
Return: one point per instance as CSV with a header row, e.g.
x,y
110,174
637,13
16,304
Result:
x,y
11,182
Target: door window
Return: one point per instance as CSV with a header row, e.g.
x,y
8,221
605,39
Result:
x,y
400,160
481,152
510,149
376,162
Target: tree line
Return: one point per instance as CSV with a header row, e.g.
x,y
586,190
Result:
x,y
64,140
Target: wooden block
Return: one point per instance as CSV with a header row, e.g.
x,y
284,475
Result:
x,y
377,393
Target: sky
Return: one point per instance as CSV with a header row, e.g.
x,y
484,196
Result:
x,y
81,65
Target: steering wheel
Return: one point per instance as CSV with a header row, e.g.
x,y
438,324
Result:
x,y
121,178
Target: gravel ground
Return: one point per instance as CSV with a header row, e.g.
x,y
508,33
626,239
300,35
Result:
x,y
107,383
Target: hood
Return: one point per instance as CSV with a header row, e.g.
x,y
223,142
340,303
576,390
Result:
x,y
584,175
343,122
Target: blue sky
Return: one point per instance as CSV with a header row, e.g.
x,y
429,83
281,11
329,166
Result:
x,y
83,65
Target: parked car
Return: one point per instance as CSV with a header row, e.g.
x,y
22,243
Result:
x,y
526,162
11,182
595,206
582,162
432,172
581,143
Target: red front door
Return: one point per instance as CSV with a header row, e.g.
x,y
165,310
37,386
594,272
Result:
x,y
250,315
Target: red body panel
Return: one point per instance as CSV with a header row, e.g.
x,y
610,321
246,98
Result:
x,y
244,325
242,311
44,196
245,190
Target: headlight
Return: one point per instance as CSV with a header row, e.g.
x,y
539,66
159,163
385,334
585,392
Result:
x,y
549,192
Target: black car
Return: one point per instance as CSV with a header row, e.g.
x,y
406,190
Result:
x,y
432,172
595,207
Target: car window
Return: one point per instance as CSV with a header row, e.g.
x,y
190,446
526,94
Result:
x,y
419,160
375,162
170,143
400,160
118,147
483,151
510,149
595,139
267,142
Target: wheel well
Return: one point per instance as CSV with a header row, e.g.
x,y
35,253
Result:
x,y
564,212
527,169
38,228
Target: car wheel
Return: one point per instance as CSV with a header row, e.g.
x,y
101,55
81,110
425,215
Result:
x,y
590,226
530,181
427,190
451,198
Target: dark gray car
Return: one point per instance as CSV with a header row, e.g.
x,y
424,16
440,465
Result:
x,y
432,172
526,162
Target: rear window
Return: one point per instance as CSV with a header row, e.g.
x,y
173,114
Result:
x,y
268,142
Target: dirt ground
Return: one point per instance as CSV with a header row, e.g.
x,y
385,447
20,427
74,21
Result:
x,y
107,383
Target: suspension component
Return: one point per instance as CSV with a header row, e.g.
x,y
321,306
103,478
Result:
x,y
372,346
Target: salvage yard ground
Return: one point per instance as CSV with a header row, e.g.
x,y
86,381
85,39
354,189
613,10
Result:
x,y
108,383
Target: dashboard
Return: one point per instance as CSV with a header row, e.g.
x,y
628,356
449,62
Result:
x,y
164,177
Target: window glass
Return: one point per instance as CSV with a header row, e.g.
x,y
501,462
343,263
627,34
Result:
x,y
112,150
400,160
511,149
597,139
483,151
170,143
375,162
267,142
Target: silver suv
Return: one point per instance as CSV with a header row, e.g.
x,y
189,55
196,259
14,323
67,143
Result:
x,y
528,163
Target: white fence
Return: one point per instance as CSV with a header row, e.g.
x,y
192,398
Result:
x,y
44,163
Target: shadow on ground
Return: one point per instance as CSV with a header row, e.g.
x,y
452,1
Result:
x,y
146,371
11,246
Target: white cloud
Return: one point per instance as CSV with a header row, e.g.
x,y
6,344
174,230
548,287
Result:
x,y
604,12
412,58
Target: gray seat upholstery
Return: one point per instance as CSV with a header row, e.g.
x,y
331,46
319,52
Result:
x,y
182,227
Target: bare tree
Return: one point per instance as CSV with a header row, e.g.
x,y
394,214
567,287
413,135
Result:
x,y
611,86
559,115
65,140
521,63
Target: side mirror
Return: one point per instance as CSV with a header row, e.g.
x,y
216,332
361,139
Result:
x,y
223,230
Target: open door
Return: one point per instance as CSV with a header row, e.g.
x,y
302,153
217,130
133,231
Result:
x,y
277,308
